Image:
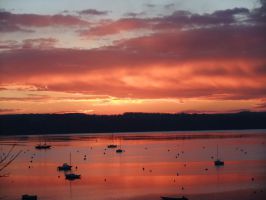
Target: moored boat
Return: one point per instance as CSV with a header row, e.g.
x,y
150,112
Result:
x,y
174,198
112,146
119,151
218,162
29,197
43,146
64,167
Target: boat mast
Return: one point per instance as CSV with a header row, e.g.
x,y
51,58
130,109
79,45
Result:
x,y
70,158
113,138
217,153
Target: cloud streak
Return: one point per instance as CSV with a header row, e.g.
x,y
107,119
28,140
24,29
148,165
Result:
x,y
92,12
39,43
11,22
175,21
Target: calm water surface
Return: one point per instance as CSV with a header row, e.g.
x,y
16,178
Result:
x,y
152,165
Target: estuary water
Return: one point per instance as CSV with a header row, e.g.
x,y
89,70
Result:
x,y
152,164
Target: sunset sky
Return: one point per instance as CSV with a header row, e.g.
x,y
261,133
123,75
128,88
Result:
x,y
116,56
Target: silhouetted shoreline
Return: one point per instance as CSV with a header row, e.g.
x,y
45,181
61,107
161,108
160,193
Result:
x,y
128,122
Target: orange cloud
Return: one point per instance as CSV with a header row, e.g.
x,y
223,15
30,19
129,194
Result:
x,y
114,27
210,57
183,64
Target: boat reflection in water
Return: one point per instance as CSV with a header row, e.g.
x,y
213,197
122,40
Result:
x,y
72,176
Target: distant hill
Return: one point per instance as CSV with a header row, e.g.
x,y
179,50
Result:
x,y
128,122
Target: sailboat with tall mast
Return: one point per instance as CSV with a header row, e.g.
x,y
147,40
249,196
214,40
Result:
x,y
120,150
69,176
112,146
218,162
43,146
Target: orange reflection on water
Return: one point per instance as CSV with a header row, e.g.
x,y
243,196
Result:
x,y
152,164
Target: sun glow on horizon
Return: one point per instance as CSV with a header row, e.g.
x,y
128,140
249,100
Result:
x,y
165,58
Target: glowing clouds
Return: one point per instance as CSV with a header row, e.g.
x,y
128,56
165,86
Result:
x,y
209,59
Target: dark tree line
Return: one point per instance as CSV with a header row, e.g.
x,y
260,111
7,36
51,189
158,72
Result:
x,y
128,122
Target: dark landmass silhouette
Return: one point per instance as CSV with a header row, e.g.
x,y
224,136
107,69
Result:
x,y
22,124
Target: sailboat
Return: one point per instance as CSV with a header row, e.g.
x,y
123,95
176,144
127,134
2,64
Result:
x,y
120,150
43,146
69,176
29,197
218,162
174,198
65,166
112,146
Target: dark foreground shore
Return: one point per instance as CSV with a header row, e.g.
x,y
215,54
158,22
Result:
x,y
250,194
